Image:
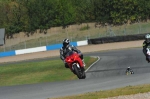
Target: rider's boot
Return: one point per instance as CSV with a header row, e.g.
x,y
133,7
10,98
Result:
x,y
66,65
147,60
83,62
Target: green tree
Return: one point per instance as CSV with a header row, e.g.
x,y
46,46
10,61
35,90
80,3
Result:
x,y
65,12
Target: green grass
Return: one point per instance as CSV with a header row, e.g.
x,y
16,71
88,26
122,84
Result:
x,y
37,72
128,90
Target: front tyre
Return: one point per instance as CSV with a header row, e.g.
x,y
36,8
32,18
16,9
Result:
x,y
83,75
78,71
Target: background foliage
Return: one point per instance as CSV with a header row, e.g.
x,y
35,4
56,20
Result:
x,y
29,15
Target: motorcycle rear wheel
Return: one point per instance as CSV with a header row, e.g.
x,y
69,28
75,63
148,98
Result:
x,y
129,73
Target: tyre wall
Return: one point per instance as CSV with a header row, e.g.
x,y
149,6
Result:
x,y
116,39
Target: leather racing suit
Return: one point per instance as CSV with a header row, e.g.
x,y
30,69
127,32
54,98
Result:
x,y
65,50
145,46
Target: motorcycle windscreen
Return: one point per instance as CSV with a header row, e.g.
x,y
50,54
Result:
x,y
69,53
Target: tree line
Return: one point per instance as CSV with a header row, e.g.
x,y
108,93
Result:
x,y
30,15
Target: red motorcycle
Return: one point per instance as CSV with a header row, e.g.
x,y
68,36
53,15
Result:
x,y
75,64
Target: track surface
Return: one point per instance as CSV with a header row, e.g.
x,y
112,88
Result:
x,y
108,73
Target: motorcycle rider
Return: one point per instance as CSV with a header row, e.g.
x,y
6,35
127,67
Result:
x,y
65,49
146,44
129,70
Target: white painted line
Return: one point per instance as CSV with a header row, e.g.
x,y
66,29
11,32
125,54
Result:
x,y
93,63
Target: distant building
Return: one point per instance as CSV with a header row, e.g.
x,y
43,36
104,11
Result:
x,y
2,37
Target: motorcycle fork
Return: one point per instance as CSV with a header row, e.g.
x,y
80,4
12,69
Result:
x,y
76,65
80,68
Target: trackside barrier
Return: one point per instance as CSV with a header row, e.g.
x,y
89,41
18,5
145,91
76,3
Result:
x,y
116,39
9,53
39,49
82,43
30,50
58,46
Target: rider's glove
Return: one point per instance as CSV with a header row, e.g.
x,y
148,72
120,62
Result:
x,y
64,61
79,54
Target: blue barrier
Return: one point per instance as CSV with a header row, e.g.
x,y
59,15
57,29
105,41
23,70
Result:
x,y
74,44
50,47
58,46
53,47
9,53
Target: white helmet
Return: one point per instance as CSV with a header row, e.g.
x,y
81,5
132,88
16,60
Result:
x,y
66,42
147,38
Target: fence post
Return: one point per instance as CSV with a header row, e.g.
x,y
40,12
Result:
x,y
46,41
124,31
40,41
4,48
67,32
139,26
25,44
10,47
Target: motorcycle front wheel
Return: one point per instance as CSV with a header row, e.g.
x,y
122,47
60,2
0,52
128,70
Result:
x,y
79,73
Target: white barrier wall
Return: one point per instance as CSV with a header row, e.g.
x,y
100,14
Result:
x,y
31,50
81,43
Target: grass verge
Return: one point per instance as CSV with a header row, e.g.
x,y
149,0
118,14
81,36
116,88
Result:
x,y
37,72
129,90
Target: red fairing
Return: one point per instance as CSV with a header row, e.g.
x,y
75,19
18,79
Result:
x,y
74,58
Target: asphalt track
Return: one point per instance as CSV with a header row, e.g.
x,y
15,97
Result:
x,y
107,73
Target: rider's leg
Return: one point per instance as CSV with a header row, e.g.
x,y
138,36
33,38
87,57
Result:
x,y
66,65
81,56
144,51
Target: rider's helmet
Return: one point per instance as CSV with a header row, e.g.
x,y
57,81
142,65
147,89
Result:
x,y
66,42
128,68
147,38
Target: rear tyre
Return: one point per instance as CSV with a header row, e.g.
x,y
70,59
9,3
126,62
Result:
x,y
132,72
129,72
